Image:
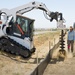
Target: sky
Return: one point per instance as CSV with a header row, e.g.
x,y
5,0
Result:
x,y
64,6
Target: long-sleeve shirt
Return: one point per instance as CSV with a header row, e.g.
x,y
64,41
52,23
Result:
x,y
71,35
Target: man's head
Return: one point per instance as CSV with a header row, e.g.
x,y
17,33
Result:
x,y
71,28
22,22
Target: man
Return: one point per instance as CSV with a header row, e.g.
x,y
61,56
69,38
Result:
x,y
23,26
70,39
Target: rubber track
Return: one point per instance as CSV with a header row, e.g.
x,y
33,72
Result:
x,y
13,47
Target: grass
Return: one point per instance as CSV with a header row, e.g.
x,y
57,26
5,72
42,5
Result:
x,y
1,65
16,74
41,38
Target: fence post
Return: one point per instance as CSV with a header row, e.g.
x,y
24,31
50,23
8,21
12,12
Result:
x,y
37,57
54,41
49,45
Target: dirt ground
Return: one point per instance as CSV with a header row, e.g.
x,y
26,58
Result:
x,y
66,67
61,68
16,65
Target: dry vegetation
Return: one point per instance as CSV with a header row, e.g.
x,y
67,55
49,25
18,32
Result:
x,y
11,65
42,38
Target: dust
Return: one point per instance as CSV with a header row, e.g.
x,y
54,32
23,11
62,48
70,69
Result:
x,y
69,55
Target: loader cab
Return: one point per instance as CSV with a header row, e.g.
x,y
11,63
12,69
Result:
x,y
23,27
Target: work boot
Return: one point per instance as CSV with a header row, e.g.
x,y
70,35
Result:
x,y
72,51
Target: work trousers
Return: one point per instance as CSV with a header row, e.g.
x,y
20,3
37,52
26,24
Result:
x,y
70,45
